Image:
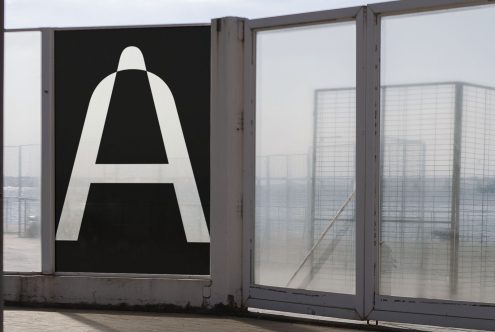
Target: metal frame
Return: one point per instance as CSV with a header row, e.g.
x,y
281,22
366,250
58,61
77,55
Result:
x,y
234,36
413,310
47,154
2,49
279,298
367,303
47,170
103,27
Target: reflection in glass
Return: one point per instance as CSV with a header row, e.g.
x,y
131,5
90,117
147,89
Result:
x,y
437,156
22,152
305,158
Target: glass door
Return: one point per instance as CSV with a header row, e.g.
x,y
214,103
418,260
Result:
x,y
436,248
369,163
302,214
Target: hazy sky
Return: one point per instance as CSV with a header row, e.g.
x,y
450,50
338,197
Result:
x,y
22,59
415,48
50,13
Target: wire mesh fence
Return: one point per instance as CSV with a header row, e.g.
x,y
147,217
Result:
x,y
437,217
22,190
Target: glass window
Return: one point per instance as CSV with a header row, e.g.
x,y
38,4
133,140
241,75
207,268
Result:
x,y
438,155
305,157
22,152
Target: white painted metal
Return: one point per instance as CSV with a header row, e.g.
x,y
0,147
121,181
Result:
x,y
372,114
369,305
47,154
232,145
361,139
277,298
410,310
227,47
249,163
411,6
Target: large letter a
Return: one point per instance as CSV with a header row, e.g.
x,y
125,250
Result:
x,y
178,171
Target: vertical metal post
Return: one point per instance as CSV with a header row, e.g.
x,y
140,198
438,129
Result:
x,y
422,206
249,159
456,183
47,154
308,223
1,159
313,188
370,50
380,178
403,206
19,189
268,226
287,202
226,153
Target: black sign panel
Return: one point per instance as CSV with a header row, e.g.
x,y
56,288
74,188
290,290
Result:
x,y
133,227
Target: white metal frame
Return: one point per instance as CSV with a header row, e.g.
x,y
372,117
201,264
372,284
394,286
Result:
x,y
367,304
286,299
47,153
232,205
47,170
413,310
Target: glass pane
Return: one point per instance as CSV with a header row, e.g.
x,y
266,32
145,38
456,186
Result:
x,y
22,157
305,155
438,155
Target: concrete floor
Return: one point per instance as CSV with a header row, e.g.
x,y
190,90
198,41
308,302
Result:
x,y
58,320
21,254
17,320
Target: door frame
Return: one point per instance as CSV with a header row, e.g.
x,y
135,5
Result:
x,y
462,314
366,304
286,299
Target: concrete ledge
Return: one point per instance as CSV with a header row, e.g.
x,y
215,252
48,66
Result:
x,y
90,291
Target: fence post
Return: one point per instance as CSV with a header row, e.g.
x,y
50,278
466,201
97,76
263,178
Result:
x,y
456,174
1,161
226,163
19,188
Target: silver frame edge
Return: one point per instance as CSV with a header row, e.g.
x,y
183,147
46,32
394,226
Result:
x,y
47,154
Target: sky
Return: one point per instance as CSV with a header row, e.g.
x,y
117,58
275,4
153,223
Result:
x,y
64,13
415,48
22,58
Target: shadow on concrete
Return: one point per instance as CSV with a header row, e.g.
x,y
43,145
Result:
x,y
89,322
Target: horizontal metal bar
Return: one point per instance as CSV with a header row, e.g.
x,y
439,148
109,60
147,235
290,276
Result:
x,y
413,6
329,16
24,30
134,275
104,27
437,320
302,296
16,146
303,308
412,85
430,306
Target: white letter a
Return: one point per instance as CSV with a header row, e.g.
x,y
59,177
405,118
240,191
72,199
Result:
x,y
178,171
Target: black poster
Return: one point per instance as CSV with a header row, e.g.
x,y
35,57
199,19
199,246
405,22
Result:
x,y
132,129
